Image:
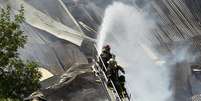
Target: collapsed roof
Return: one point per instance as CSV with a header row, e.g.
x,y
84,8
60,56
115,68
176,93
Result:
x,y
58,40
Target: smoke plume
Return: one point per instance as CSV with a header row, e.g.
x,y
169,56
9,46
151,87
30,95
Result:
x,y
128,30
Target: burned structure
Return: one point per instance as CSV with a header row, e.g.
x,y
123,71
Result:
x,y
61,36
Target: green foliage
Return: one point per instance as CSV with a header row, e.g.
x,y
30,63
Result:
x,y
17,79
11,36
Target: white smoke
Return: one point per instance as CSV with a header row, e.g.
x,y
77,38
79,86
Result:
x,y
128,30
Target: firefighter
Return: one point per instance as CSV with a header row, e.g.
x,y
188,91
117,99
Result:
x,y
122,90
112,63
105,57
113,72
119,81
114,68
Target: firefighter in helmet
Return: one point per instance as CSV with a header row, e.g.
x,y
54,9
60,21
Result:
x,y
121,89
114,68
105,57
113,72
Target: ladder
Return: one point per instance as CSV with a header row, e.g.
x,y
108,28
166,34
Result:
x,y
112,93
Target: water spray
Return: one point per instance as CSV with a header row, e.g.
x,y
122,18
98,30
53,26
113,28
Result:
x,y
127,29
